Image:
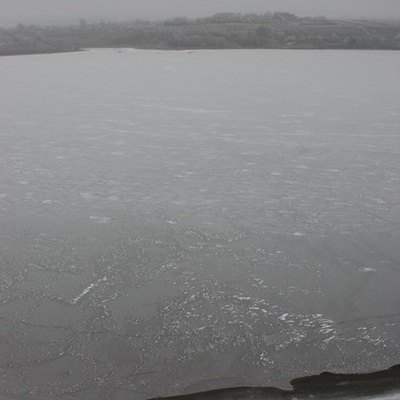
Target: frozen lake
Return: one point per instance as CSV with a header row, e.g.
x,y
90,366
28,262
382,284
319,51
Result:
x,y
179,221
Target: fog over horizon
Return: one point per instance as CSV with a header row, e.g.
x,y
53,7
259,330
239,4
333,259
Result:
x,y
13,12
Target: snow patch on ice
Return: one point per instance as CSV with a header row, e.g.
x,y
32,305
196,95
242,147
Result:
x,y
87,290
100,220
367,269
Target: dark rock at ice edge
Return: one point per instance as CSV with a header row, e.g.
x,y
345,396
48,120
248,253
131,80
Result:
x,y
325,385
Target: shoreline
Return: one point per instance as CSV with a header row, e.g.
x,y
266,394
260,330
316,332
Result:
x,y
190,49
377,383
221,31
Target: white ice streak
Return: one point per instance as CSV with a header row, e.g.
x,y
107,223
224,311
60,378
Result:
x,y
100,220
283,317
367,269
87,290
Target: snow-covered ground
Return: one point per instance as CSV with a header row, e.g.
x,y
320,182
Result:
x,y
181,221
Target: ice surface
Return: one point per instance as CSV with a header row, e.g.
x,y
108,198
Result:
x,y
172,220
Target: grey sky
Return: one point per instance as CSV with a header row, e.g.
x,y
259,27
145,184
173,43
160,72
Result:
x,y
53,11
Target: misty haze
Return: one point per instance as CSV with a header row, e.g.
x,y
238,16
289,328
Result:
x,y
50,11
198,204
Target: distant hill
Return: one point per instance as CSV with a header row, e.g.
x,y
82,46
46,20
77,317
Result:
x,y
279,30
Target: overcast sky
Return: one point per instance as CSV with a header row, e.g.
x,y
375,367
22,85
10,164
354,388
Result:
x,y
53,11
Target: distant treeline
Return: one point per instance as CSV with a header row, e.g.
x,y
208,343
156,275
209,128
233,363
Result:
x,y
221,31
